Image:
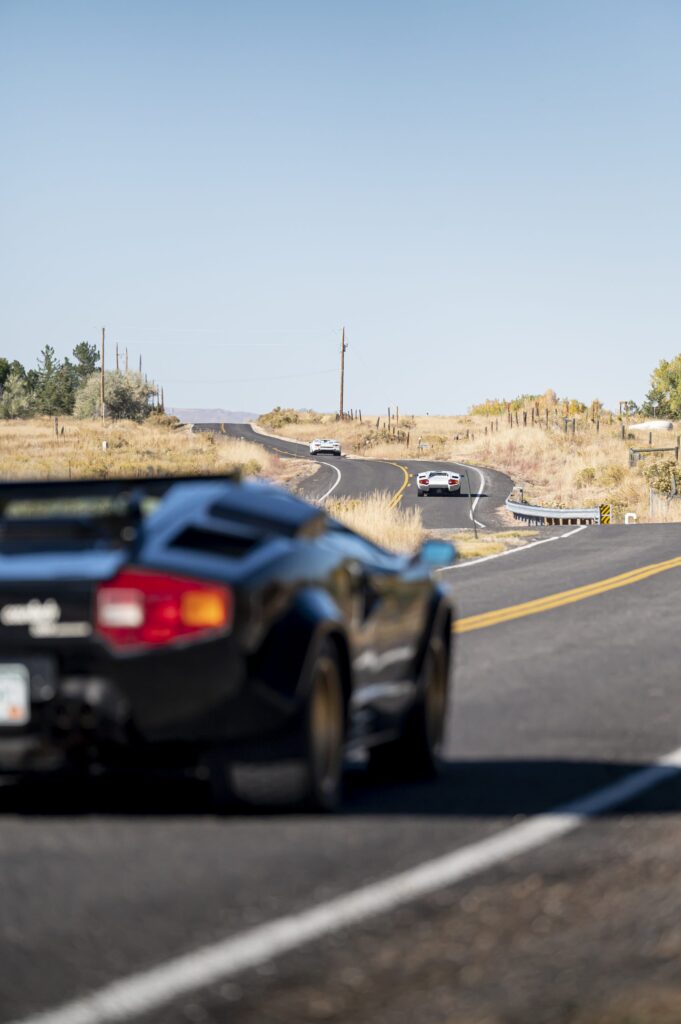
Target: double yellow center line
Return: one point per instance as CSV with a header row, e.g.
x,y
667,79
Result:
x,y
546,604
397,496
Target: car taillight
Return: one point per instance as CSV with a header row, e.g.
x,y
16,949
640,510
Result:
x,y
149,609
454,480
423,479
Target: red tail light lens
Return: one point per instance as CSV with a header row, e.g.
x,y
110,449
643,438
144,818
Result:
x,y
148,609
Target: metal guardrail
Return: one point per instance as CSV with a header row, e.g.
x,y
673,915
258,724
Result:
x,y
538,516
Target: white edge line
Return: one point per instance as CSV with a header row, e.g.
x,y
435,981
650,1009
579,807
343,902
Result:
x,y
333,486
481,491
147,990
510,551
578,529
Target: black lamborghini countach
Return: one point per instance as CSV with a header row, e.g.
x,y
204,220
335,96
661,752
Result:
x,y
215,627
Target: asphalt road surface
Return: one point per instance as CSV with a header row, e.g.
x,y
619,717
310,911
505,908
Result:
x,y
353,477
503,893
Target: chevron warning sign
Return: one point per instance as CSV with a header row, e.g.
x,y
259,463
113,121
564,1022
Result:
x,y
605,513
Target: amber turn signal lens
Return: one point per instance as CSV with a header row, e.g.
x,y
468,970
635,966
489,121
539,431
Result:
x,y
204,609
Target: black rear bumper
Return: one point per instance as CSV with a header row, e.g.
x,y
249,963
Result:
x,y
161,709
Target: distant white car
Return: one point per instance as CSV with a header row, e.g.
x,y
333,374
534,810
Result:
x,y
438,481
324,446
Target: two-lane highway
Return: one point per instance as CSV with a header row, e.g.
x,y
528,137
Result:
x,y
482,906
353,477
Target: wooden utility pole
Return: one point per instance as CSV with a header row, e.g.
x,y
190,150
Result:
x,y
116,357
140,369
126,362
342,372
101,378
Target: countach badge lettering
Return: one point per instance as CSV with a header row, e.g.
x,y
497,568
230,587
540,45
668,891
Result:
x,y
43,619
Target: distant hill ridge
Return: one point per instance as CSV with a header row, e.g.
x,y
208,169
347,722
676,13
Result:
x,y
212,415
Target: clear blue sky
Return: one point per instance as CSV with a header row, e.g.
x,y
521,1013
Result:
x,y
487,195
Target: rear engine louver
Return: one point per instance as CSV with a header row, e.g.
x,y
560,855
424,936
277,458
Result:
x,y
214,543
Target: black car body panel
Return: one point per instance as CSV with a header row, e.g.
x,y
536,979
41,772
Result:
x,y
294,577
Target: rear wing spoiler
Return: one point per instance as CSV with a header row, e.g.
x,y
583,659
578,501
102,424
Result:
x,y
153,486
35,513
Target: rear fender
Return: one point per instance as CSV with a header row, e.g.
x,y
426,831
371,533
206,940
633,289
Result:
x,y
280,669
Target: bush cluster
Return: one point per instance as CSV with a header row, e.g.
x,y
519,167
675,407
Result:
x,y
278,417
71,387
662,475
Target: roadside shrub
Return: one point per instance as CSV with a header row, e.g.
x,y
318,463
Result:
x,y
661,474
278,417
611,475
162,419
585,477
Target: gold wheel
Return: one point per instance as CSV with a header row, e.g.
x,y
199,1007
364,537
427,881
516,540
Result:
x,y
326,725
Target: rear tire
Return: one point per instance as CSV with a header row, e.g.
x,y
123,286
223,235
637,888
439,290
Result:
x,y
417,752
313,778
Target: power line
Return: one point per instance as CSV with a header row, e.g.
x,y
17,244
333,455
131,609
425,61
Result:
x,y
247,380
221,330
229,344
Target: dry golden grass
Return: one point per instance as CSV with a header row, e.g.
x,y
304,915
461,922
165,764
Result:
x,y
467,546
374,517
29,449
555,468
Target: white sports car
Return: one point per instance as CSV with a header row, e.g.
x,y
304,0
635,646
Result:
x,y
324,446
438,481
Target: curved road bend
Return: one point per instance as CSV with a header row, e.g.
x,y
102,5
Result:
x,y
549,706
360,476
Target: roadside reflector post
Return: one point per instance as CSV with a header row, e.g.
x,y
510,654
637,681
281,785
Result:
x,y
630,517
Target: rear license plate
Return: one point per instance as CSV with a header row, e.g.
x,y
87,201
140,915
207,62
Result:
x,y
15,699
